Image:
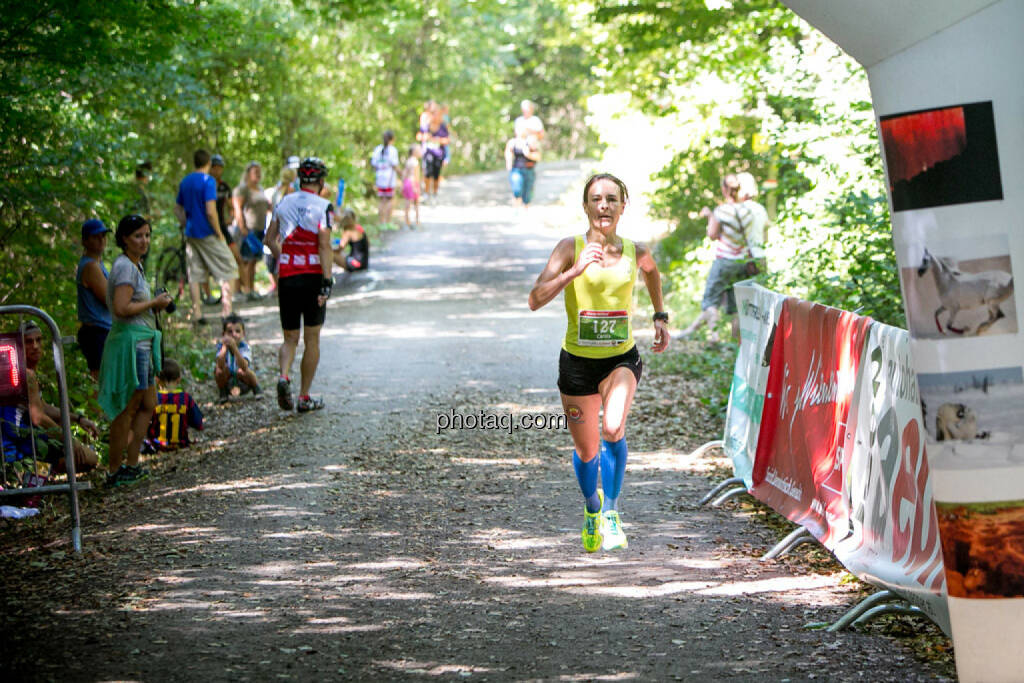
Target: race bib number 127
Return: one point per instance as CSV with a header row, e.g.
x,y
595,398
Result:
x,y
603,328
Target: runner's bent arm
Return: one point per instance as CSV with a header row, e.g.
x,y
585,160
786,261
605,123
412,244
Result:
x,y
179,212
561,270
652,279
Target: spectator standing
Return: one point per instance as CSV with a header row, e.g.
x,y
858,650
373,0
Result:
x,y
132,351
732,226
91,283
385,172
142,203
207,252
251,208
529,121
223,195
279,192
411,183
175,412
300,237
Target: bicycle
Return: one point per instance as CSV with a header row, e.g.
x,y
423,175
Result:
x,y
171,272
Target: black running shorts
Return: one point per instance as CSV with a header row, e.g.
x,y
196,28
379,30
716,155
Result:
x,y
579,376
297,301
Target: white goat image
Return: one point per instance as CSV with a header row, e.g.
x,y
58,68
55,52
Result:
x,y
959,290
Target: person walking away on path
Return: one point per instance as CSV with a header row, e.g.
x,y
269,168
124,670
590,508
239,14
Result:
x,y
521,156
223,195
132,352
207,252
599,366
354,237
528,121
434,137
730,226
91,282
251,209
756,232
385,170
300,238
411,183
175,412
233,364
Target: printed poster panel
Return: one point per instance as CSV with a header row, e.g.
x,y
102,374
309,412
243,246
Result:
x,y
804,430
942,156
894,532
957,288
758,316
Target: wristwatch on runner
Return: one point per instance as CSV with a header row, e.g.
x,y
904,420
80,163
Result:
x,y
325,287
661,315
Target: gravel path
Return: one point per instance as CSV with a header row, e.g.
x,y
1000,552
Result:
x,y
358,543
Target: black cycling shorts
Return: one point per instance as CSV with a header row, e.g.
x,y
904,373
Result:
x,y
432,166
297,301
579,376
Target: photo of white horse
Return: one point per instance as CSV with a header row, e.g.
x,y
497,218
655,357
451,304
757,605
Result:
x,y
949,298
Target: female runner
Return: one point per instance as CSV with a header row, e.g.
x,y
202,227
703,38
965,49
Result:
x,y
599,365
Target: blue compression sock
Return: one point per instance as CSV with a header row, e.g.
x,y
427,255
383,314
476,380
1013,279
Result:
x,y
586,475
613,470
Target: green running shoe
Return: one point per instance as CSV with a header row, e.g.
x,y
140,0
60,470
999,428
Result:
x,y
592,528
614,536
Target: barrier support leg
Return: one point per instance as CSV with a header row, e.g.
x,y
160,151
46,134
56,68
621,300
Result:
x,y
731,493
889,609
718,489
707,447
860,608
793,539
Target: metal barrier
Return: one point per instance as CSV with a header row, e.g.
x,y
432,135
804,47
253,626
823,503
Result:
x,y
73,486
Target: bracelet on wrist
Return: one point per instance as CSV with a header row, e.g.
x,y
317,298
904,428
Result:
x,y
660,315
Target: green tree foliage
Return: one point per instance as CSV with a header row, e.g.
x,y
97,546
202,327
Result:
x,y
754,88
90,88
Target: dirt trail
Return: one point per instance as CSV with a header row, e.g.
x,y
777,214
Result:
x,y
357,543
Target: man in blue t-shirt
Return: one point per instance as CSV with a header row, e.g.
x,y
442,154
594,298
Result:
x,y
207,252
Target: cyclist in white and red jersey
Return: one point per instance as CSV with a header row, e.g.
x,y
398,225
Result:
x,y
300,238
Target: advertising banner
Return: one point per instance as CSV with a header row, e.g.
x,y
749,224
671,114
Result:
x,y
894,537
758,311
947,82
798,470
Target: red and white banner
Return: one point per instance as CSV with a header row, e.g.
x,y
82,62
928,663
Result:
x,y
798,470
894,536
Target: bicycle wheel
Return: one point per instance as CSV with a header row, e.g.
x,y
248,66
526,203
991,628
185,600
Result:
x,y
171,273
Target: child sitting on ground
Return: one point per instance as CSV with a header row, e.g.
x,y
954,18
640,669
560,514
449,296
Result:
x,y
175,412
354,237
234,361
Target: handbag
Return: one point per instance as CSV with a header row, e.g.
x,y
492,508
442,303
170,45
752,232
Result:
x,y
751,267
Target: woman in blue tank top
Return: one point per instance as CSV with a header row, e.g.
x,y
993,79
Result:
x,y
91,281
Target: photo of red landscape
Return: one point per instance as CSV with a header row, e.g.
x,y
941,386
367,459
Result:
x,y
983,548
942,156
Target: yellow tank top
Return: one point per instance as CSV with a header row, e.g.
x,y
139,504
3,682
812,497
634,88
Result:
x,y
598,305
